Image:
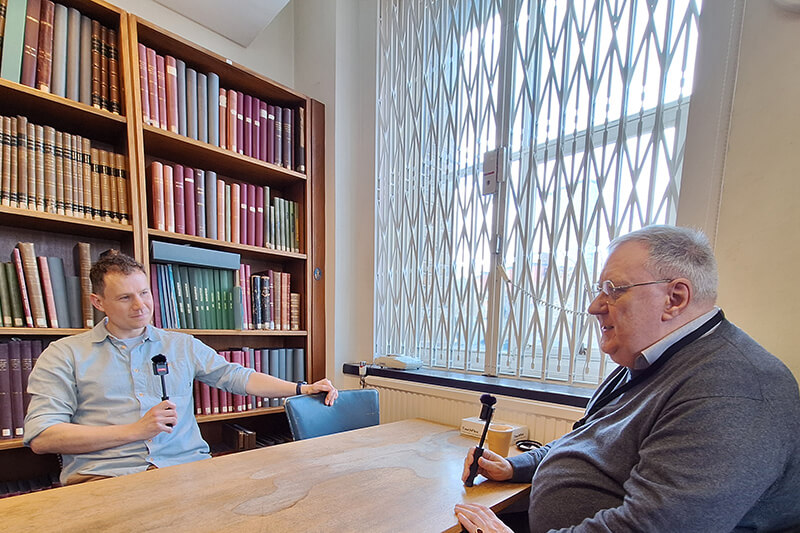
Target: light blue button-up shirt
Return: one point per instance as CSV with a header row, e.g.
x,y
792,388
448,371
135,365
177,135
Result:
x,y
95,379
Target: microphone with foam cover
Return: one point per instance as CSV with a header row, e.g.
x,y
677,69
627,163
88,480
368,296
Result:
x,y
487,410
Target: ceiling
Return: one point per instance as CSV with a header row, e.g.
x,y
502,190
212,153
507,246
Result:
x,y
239,20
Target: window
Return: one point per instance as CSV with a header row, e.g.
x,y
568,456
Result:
x,y
588,102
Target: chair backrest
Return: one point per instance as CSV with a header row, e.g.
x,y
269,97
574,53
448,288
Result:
x,y
310,417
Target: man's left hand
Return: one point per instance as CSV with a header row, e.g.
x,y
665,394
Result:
x,y
478,518
324,385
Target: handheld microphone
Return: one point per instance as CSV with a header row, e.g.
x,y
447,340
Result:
x,y
487,410
161,368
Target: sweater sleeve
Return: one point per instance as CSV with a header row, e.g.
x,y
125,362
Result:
x,y
697,471
525,464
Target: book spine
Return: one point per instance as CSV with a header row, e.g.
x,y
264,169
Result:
x,y
220,214
278,149
172,93
200,202
16,258
223,118
6,423
157,186
115,103
243,224
17,407
211,204
300,157
13,41
58,75
156,296
189,200
58,283
33,283
122,188
44,63
73,54
152,86
15,292
233,139
270,134
259,218
40,168
47,290
213,108
180,211
49,148
97,52
85,63
202,107
264,134
84,263
191,103
180,67
161,81
5,299
169,198
240,122
247,106
288,145
31,47
95,203
105,93
251,214
30,148
105,184
255,112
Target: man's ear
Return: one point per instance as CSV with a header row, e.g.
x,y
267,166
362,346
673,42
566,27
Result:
x,y
679,294
97,302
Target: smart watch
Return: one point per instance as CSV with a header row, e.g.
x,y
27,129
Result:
x,y
298,390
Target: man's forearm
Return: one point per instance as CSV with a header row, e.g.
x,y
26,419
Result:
x,y
267,386
74,438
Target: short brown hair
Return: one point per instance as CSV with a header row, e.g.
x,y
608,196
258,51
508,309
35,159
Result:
x,y
112,261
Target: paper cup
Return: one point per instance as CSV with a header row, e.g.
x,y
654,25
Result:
x,y
499,438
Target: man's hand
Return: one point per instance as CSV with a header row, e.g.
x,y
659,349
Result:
x,y
478,518
156,420
323,385
490,465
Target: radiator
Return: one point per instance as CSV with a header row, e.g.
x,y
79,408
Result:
x,y
402,399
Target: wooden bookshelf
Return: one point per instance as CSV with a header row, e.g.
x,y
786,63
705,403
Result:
x,y
141,143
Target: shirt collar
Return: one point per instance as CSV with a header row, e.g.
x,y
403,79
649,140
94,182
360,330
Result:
x,y
651,354
100,333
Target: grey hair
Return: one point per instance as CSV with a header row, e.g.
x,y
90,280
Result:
x,y
676,252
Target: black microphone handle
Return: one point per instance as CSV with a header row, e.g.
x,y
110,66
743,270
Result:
x,y
473,468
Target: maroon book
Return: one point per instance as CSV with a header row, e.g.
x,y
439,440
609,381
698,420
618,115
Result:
x,y
16,258
17,407
243,224
205,398
26,355
263,115
288,143
240,121
144,87
251,214
255,106
30,51
189,201
247,112
161,81
154,290
171,75
259,229
152,86
233,139
198,405
180,211
270,131
44,62
6,425
278,136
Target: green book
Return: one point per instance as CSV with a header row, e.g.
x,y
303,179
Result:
x,y
211,301
218,299
195,278
238,320
17,314
227,291
5,300
175,273
187,297
13,40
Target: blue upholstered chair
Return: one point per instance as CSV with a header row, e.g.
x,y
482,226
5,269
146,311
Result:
x,y
310,417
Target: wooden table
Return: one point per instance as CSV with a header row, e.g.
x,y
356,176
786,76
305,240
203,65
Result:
x,y
404,476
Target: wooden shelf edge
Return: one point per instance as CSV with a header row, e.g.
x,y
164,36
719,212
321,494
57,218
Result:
x,y
243,332
241,249
54,332
201,419
22,214
10,444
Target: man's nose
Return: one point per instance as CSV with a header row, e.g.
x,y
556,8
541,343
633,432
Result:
x,y
598,305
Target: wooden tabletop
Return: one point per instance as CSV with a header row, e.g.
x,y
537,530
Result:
x,y
403,476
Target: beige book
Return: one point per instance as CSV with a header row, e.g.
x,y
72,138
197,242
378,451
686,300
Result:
x,y
33,283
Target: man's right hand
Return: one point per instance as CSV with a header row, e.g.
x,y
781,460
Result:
x,y
490,465
161,417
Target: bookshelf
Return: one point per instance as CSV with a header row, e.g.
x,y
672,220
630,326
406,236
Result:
x,y
141,144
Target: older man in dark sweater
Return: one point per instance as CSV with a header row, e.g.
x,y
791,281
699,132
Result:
x,y
697,430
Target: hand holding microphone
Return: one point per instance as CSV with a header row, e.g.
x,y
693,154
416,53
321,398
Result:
x,y
161,369
487,410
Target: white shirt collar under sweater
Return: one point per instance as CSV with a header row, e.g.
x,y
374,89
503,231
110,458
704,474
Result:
x,y
651,354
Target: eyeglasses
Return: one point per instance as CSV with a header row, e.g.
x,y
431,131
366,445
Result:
x,y
607,287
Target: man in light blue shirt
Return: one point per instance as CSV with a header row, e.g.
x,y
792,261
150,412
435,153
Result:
x,y
96,401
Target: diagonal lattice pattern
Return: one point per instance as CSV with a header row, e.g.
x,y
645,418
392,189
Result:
x,y
591,100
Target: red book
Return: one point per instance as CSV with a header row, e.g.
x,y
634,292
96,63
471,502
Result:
x,y
285,298
247,274
278,136
154,292
223,118
161,81
30,51
251,214
169,198
233,139
245,295
205,395
16,258
198,407
44,61
144,87
247,108
180,212
157,186
270,134
215,394
262,139
240,122
243,224
152,86
255,112
221,210
189,200
259,218
236,230
47,291
171,72
26,355
17,402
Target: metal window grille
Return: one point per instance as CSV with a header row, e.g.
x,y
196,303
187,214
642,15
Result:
x,y
588,101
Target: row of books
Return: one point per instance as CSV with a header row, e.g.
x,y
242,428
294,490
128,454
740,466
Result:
x,y
24,486
180,99
197,202
192,297
237,438
17,358
59,50
55,172
35,291
283,363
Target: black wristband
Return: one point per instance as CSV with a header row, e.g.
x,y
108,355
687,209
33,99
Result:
x,y
298,391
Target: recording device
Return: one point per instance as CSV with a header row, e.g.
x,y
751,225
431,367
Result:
x,y
161,368
487,410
